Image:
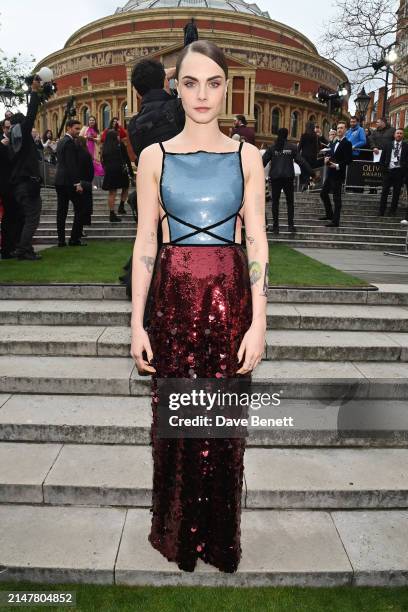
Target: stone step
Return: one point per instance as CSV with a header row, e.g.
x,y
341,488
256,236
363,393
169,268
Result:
x,y
341,380
121,475
312,211
279,316
343,236
294,243
336,243
103,229
370,294
91,419
52,239
114,230
76,544
292,344
381,293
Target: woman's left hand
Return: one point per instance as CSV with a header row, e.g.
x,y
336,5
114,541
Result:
x,y
252,347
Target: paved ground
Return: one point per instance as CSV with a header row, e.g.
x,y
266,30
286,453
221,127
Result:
x,y
372,266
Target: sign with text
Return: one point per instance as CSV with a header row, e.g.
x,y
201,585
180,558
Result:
x,y
361,173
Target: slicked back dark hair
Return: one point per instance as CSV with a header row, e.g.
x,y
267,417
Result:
x,y
207,48
71,122
148,74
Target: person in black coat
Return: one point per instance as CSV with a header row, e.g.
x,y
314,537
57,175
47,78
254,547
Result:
x,y
309,149
282,154
117,166
394,161
25,175
12,221
341,155
86,175
68,185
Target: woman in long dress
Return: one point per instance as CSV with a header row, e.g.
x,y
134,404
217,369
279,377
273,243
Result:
x,y
199,307
91,133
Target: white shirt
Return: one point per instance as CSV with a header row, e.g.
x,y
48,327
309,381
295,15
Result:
x,y
395,159
335,149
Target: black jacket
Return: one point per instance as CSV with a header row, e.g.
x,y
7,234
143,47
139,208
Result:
x,y
282,161
68,173
380,138
86,167
26,163
309,147
5,167
160,118
343,156
386,156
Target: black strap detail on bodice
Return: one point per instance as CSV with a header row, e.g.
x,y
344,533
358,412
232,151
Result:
x,y
199,230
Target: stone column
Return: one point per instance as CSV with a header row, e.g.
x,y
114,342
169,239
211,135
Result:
x,y
267,117
129,92
252,97
115,106
286,117
247,109
229,97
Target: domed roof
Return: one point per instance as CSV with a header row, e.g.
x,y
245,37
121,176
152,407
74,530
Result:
x,y
237,6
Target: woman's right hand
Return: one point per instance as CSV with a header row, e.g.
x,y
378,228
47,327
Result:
x,y
140,343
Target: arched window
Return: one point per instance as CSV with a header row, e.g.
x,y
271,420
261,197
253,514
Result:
x,y
105,116
312,118
326,128
85,115
258,118
275,120
294,124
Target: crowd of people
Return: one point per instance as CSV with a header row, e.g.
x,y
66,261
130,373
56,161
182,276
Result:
x,y
329,158
87,159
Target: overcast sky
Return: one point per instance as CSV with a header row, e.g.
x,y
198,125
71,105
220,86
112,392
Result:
x,y
39,28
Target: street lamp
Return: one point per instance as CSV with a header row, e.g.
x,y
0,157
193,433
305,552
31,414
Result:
x,y
362,101
333,100
388,60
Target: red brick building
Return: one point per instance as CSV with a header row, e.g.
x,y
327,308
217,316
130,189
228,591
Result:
x,y
275,71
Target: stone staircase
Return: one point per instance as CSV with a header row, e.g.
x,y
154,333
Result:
x,y
361,228
319,507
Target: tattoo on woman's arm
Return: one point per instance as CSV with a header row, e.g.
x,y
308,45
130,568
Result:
x,y
250,239
255,272
148,262
266,281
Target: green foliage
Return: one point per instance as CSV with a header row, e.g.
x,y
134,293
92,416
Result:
x,y
12,73
406,132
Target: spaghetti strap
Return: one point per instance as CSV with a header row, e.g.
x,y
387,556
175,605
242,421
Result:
x,y
240,146
162,148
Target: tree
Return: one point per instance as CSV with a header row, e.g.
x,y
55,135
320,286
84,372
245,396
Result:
x,y
12,73
360,35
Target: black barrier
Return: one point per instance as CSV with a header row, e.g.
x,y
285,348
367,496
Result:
x,y
362,173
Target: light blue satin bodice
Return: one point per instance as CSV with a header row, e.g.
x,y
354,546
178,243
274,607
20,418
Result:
x,y
202,193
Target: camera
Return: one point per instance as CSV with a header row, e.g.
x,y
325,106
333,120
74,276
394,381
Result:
x,y
48,88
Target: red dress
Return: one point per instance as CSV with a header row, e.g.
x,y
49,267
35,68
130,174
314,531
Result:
x,y
198,309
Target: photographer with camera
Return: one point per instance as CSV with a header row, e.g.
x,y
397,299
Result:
x,y
25,174
11,221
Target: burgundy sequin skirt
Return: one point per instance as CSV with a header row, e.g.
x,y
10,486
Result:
x,y
198,310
